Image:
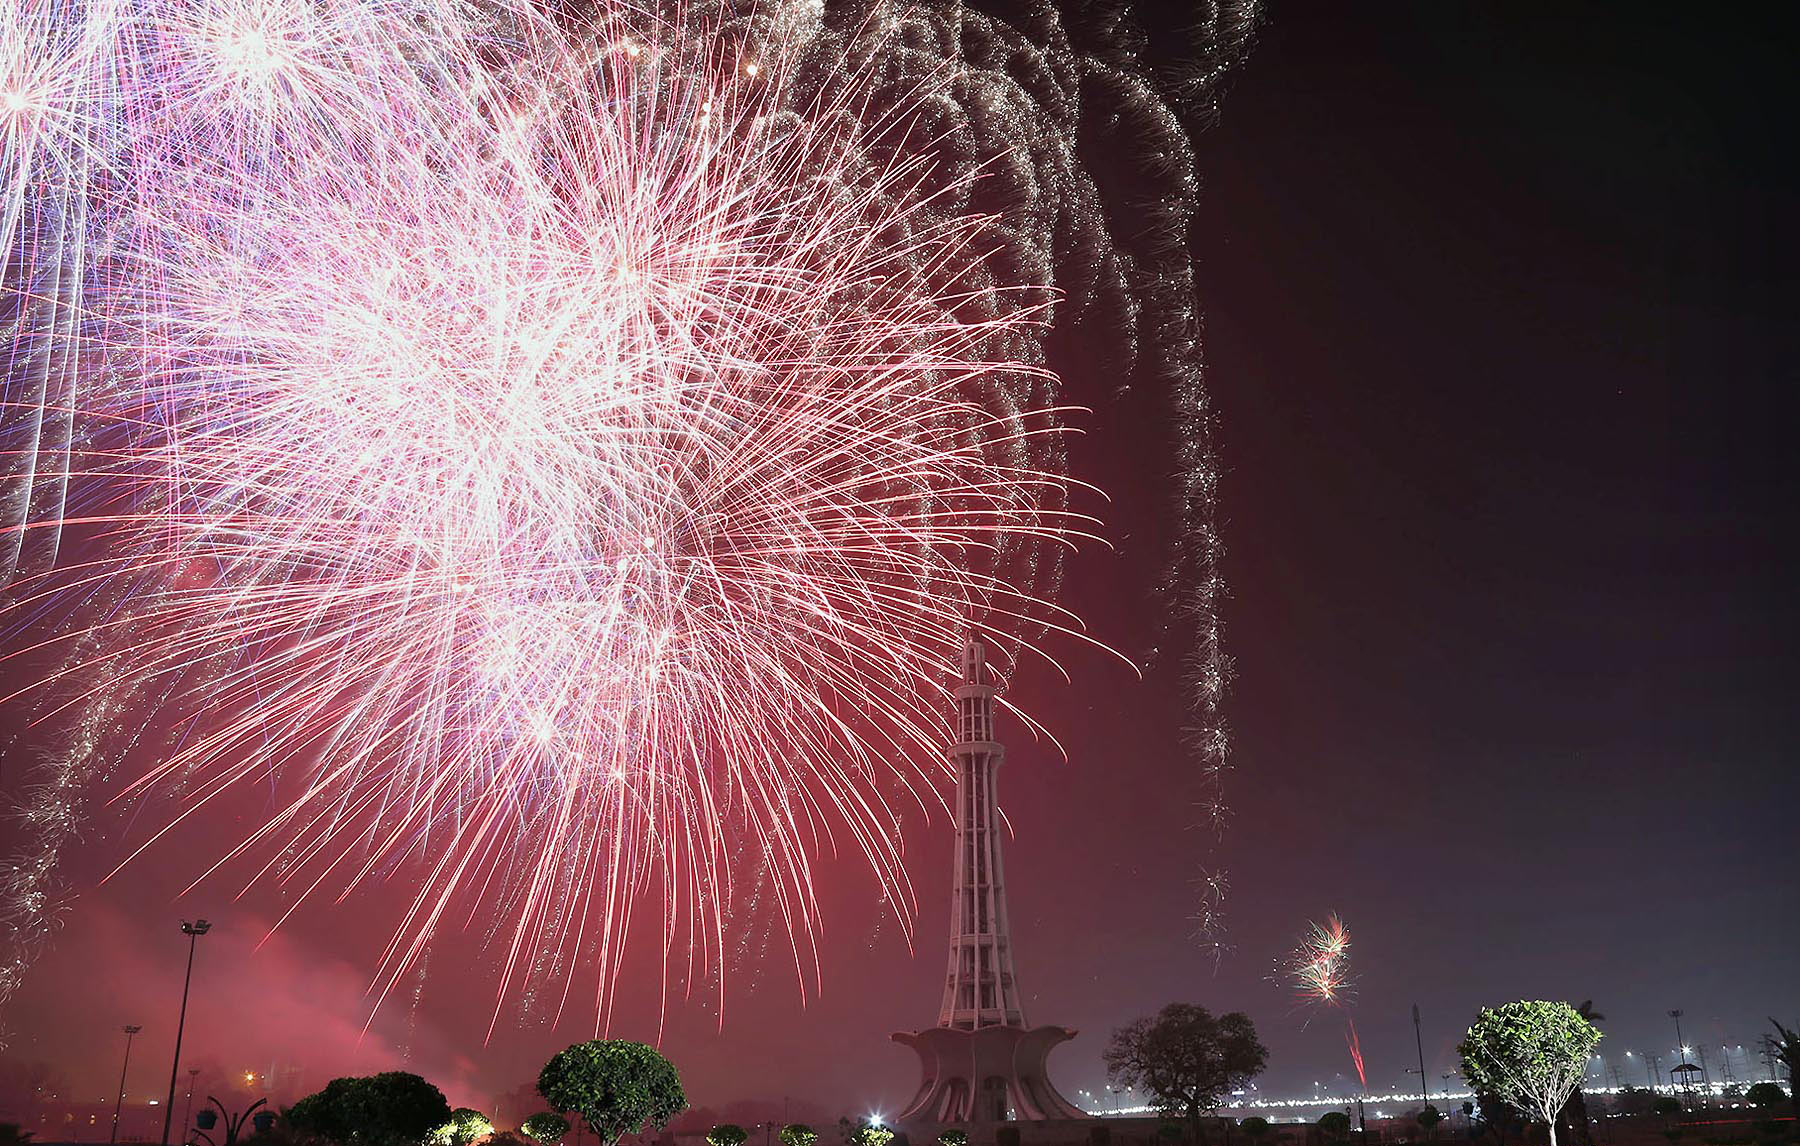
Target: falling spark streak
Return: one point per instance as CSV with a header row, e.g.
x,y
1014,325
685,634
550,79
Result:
x,y
1356,1055
547,453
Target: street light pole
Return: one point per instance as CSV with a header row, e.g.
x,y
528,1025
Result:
x,y
130,1033
187,1117
1419,1041
193,931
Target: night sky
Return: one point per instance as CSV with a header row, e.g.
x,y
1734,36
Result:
x,y
1501,332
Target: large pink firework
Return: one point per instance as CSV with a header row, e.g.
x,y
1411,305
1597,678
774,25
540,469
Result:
x,y
558,448
542,453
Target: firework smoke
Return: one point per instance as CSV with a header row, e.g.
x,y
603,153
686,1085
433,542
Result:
x,y
558,453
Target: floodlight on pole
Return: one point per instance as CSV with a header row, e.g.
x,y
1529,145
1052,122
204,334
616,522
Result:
x,y
193,931
118,1106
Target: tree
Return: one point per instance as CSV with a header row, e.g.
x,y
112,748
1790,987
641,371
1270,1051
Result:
x,y
1765,1094
464,1127
798,1134
1254,1128
389,1109
727,1134
1496,1116
1531,1054
953,1138
1665,1106
1335,1125
1428,1119
616,1086
547,1127
870,1134
1575,1111
1633,1100
1187,1060
1786,1046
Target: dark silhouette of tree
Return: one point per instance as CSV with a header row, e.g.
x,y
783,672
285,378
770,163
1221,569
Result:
x,y
1428,1119
1575,1113
1786,1046
1335,1125
1497,1118
1633,1100
1186,1060
1765,1094
1255,1129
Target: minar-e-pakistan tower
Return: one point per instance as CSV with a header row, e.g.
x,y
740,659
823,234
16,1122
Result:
x,y
981,1063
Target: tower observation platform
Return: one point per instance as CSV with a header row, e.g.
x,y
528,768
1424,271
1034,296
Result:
x,y
982,1062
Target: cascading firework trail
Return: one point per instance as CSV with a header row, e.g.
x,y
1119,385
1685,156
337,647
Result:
x,y
555,451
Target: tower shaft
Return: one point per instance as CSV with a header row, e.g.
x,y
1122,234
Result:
x,y
980,989
981,1063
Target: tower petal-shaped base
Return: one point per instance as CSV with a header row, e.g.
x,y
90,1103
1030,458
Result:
x,y
991,1074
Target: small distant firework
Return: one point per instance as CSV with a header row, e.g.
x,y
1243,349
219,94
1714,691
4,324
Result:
x,y
1319,969
1320,965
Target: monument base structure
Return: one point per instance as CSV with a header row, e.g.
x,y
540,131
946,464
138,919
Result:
x,y
990,1074
982,1063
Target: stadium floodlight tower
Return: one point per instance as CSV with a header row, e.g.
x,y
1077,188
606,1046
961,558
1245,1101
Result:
x,y
982,1062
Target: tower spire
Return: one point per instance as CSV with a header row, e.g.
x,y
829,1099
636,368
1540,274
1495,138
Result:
x,y
981,1063
980,989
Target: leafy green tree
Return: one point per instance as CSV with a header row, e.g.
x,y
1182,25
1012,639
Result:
x,y
1765,1094
870,1134
727,1134
1335,1125
616,1086
798,1134
393,1108
953,1138
547,1127
1187,1060
464,1127
1530,1054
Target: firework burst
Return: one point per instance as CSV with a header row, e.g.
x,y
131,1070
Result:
x,y
1319,968
546,452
